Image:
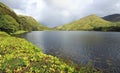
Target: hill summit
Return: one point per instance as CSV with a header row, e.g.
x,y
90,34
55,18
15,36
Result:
x,y
87,23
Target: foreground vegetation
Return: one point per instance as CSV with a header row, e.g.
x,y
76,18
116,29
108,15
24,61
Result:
x,y
19,56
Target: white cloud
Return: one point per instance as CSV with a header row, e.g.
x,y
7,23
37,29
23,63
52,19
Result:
x,y
57,12
18,11
68,4
65,13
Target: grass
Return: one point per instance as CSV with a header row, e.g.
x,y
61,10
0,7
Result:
x,y
19,56
19,32
87,23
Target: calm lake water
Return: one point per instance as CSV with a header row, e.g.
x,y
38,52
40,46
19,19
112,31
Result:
x,y
102,49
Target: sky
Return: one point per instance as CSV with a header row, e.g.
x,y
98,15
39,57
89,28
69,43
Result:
x,y
53,13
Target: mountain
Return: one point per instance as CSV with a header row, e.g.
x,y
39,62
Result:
x,y
5,10
11,22
90,22
29,23
112,18
8,19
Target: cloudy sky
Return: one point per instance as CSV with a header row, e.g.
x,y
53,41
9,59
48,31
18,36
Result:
x,y
57,12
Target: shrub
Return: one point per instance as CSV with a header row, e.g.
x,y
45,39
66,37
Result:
x,y
8,24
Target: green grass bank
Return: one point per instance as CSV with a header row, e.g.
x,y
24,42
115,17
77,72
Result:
x,y
19,56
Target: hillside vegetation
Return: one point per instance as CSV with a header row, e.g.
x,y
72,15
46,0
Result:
x,y
5,10
93,23
29,23
11,22
87,23
8,24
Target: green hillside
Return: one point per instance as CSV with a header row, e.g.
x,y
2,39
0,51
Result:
x,y
29,23
11,22
5,10
87,23
8,19
8,24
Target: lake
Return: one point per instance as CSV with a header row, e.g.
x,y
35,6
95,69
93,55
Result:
x,y
101,49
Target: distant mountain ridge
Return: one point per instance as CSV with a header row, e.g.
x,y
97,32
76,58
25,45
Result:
x,y
112,18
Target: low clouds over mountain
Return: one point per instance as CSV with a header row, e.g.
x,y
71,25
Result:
x,y
56,12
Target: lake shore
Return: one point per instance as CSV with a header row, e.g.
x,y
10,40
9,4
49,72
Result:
x,y
18,55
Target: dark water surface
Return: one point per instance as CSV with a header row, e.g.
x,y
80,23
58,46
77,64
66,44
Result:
x,y
102,49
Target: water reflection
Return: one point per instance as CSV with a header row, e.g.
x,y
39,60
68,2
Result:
x,y
100,48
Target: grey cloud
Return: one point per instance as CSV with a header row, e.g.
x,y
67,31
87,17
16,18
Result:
x,y
16,4
105,7
56,12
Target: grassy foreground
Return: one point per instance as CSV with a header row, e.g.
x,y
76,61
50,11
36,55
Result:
x,y
19,56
